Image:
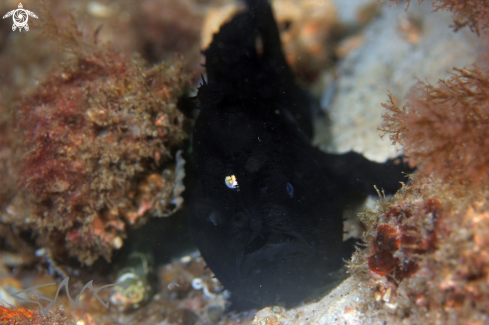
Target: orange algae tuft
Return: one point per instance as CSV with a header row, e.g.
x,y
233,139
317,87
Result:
x,y
15,315
444,128
23,316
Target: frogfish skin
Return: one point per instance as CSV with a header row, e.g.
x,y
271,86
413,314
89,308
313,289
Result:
x,y
267,212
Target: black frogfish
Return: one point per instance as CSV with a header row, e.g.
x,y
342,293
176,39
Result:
x,y
267,213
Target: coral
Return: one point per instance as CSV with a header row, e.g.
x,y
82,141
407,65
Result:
x,y
445,128
471,13
96,139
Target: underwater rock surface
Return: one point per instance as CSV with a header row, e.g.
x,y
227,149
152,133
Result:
x,y
398,47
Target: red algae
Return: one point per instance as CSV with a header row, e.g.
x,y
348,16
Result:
x,y
396,246
444,128
441,217
385,244
425,251
96,143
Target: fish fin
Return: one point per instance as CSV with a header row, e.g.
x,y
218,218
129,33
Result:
x,y
231,59
355,173
208,95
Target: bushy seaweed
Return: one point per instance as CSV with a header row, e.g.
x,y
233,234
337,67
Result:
x,y
444,128
92,141
426,247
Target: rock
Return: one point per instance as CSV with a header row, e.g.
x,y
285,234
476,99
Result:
x,y
398,47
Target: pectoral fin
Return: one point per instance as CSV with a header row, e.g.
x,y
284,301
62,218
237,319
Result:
x,y
353,172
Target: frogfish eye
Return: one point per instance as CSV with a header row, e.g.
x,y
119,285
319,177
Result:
x,y
290,190
231,181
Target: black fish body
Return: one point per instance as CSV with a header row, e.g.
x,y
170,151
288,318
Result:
x,y
267,214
